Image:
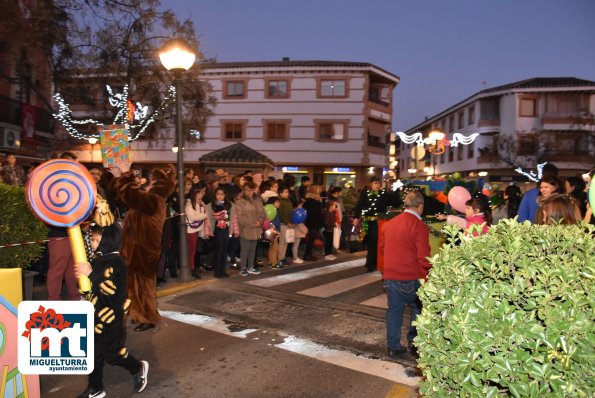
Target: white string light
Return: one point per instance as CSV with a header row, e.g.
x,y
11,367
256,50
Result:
x,y
530,174
119,101
417,138
458,138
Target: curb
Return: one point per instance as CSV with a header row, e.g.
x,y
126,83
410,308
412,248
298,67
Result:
x,y
402,391
182,286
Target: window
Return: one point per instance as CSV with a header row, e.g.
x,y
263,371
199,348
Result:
x,y
332,88
451,154
461,119
451,123
460,152
528,107
470,150
276,131
471,116
233,130
277,89
235,89
331,131
527,145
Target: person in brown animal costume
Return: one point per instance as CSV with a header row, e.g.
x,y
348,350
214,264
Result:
x,y
141,243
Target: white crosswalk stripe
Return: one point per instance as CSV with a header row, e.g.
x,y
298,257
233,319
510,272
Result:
x,y
342,285
331,289
298,276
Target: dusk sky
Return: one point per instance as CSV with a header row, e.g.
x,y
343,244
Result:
x,y
443,51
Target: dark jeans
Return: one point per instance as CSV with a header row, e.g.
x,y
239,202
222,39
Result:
x,y
328,242
371,241
221,238
400,293
108,346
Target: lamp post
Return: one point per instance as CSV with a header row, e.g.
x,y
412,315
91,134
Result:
x,y
177,56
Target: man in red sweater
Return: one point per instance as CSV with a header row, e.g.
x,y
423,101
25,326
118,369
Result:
x,y
405,242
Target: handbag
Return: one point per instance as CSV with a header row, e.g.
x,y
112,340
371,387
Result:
x,y
289,235
194,224
336,237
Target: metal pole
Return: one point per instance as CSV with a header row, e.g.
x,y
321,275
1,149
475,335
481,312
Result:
x,y
183,244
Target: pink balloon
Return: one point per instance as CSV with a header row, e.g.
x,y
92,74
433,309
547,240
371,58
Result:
x,y
457,197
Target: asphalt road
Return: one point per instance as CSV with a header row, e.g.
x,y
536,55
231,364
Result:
x,y
297,332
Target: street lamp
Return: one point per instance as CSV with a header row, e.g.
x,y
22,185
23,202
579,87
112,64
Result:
x,y
177,56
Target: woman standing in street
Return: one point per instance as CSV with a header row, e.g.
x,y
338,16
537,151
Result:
x,y
250,216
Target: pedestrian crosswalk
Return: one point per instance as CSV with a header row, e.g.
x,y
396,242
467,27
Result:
x,y
341,285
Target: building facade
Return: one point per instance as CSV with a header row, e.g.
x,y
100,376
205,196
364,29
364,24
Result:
x,y
520,124
325,119
26,122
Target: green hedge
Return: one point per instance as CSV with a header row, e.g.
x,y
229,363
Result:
x,y
17,225
510,313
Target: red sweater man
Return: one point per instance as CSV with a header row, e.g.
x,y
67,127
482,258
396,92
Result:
x,y
405,242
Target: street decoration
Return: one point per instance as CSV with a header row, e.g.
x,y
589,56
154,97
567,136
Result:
x,y
418,138
114,144
530,174
133,114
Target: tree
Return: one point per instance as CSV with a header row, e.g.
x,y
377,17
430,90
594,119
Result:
x,y
113,40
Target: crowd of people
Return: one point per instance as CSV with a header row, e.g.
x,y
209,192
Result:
x,y
247,221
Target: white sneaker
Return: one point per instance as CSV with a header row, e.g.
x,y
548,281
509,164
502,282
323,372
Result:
x,y
330,257
298,261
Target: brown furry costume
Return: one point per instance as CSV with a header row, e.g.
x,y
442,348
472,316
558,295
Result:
x,y
141,243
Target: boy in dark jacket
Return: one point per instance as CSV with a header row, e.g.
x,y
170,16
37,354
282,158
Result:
x,y
109,276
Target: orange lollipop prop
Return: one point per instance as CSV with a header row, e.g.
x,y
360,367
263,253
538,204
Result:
x,y
62,193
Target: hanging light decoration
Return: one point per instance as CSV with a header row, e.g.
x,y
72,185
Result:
x,y
133,115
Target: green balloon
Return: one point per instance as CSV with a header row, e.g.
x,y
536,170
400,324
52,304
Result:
x,y
271,211
456,175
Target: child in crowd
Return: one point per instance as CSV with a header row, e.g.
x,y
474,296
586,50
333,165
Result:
x,y
329,219
284,211
477,211
274,244
109,277
198,223
300,232
221,210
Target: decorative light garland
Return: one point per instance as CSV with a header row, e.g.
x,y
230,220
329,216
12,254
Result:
x,y
373,197
418,138
125,109
531,175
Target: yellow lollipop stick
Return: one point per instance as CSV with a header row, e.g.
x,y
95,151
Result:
x,y
77,244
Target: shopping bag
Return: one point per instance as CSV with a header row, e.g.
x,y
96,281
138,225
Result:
x,y
336,237
290,235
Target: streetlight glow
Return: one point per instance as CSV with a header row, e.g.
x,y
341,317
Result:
x,y
177,56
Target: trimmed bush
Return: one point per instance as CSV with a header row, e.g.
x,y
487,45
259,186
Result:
x,y
510,313
17,225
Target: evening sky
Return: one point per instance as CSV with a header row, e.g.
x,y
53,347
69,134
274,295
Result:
x,y
443,50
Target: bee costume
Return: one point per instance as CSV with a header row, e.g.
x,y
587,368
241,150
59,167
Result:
x,y
108,294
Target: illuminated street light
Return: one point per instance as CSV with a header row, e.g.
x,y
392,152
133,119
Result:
x,y
178,57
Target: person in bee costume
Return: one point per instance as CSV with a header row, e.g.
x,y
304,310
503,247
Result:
x,y
109,278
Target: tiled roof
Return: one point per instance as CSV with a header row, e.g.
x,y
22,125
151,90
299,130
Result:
x,y
543,82
292,64
236,153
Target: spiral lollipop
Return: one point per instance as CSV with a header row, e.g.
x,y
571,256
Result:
x,y
61,192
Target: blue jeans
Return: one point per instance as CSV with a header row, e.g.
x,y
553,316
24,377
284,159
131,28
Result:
x,y
400,293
